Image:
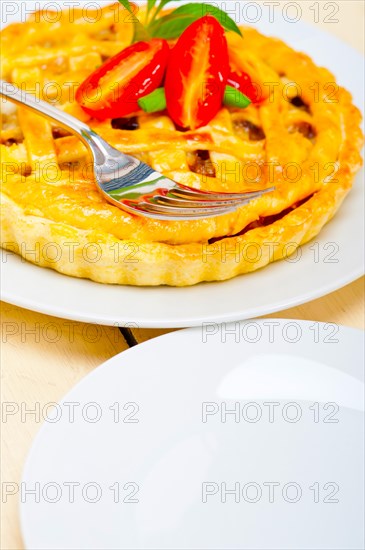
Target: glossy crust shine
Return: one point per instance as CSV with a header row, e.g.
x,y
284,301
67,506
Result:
x,y
48,202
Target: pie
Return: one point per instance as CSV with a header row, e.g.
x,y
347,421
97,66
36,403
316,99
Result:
x,y
304,139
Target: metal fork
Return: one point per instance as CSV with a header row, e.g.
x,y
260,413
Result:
x,y
131,184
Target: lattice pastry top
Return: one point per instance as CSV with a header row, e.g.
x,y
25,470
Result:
x,y
304,139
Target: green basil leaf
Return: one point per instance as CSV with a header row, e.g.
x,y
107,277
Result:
x,y
140,32
126,4
161,5
173,25
150,5
170,27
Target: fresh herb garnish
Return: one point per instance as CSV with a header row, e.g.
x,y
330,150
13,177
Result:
x,y
159,7
153,102
235,98
156,101
140,31
172,25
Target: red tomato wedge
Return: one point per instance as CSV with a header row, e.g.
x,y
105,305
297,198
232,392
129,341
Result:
x,y
197,74
242,82
114,88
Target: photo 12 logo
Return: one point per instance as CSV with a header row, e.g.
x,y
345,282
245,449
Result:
x,y
72,11
270,331
252,12
271,492
71,412
127,252
51,492
269,411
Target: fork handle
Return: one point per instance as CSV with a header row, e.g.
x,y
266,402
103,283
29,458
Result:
x,y
19,96
100,148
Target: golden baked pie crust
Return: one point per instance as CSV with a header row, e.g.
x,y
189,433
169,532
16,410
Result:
x,y
58,203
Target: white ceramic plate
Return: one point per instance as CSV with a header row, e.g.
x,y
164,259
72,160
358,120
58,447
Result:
x,y
154,442
335,259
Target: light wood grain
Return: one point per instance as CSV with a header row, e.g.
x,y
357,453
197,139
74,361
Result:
x,y
36,370
42,358
344,307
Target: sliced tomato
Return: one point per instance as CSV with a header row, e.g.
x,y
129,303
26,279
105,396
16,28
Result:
x,y
242,82
197,74
114,89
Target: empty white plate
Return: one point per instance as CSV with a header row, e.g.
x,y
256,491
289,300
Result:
x,y
241,436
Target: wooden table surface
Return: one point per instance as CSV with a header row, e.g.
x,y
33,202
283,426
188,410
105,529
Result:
x,y
43,357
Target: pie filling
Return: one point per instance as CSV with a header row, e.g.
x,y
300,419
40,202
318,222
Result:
x,y
226,142
264,221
